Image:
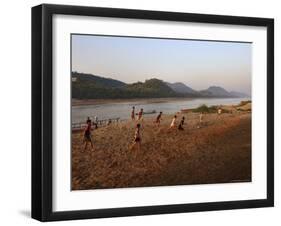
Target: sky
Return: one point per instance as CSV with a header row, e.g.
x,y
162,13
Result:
x,y
198,64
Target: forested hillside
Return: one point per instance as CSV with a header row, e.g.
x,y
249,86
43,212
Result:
x,y
88,86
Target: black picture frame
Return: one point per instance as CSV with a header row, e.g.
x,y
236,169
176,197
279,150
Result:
x,y
42,111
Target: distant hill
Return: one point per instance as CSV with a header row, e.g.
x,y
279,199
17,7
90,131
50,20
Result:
x,y
98,80
151,88
215,91
182,88
239,94
88,86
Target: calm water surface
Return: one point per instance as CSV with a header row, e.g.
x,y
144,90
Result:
x,y
123,110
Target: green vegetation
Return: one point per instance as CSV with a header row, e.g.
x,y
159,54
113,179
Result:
x,y
150,88
85,86
88,86
242,103
97,80
212,109
205,109
244,106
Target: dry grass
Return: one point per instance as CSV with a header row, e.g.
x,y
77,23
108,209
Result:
x,y
218,152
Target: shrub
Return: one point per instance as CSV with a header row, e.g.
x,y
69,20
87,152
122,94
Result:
x,y
244,103
202,108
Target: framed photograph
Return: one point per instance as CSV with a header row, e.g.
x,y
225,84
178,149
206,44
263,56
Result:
x,y
140,112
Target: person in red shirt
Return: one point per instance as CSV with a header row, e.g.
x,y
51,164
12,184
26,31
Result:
x,y
87,135
133,113
158,119
180,127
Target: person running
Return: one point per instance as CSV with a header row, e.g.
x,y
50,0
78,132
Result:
x,y
180,127
137,138
87,135
158,118
173,123
140,114
133,113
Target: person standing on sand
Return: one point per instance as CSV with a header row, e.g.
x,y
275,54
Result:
x,y
180,127
140,114
137,138
158,119
219,111
200,120
173,123
95,123
87,135
133,113
88,120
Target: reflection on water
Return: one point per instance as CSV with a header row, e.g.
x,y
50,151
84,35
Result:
x,y
123,110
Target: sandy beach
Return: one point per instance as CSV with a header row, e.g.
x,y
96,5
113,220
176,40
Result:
x,y
217,152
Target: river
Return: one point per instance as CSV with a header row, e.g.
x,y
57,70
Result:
x,y
122,110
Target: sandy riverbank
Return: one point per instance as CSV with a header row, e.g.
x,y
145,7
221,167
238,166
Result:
x,y
218,152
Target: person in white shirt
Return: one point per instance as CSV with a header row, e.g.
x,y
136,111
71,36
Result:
x,y
95,123
137,138
200,120
140,114
173,123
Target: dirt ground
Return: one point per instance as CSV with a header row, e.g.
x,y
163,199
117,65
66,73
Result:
x,y
217,152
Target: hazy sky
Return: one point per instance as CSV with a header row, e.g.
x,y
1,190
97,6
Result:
x,y
198,64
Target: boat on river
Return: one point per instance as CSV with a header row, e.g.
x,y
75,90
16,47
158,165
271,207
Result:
x,y
149,112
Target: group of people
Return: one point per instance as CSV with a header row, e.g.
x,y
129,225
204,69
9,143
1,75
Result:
x,y
158,118
139,114
174,124
157,121
137,135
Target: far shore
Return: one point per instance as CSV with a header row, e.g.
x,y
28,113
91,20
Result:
x,y
80,102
